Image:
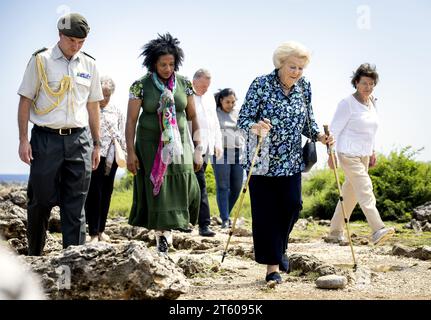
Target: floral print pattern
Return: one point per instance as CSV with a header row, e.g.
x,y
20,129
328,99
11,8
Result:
x,y
136,91
112,125
281,153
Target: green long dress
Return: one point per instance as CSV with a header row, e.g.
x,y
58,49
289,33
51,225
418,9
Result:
x,y
177,204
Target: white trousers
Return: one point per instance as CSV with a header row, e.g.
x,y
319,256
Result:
x,y
357,187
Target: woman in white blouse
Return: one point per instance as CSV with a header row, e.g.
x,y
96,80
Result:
x,y
112,127
354,127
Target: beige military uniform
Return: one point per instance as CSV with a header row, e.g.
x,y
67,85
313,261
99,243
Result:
x,y
71,111
60,170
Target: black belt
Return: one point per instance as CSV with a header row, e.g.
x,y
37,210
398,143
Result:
x,y
61,132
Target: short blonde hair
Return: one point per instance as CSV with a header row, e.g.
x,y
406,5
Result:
x,y
288,49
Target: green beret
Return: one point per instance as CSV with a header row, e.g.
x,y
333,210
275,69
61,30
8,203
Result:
x,y
73,25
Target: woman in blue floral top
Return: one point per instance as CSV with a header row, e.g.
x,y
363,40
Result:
x,y
276,108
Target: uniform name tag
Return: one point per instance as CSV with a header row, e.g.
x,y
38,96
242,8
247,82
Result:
x,y
84,75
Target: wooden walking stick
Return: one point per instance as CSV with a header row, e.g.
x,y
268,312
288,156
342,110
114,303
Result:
x,y
241,198
346,221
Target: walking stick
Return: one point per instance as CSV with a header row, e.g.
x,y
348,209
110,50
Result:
x,y
241,198
346,221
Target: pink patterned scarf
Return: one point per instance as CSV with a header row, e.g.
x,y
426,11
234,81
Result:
x,y
170,139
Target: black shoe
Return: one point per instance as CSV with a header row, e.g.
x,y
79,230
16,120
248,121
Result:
x,y
163,246
284,264
206,232
273,276
186,230
226,224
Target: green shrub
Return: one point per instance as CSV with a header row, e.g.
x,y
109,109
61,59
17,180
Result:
x,y
210,180
320,194
121,203
400,184
122,196
125,183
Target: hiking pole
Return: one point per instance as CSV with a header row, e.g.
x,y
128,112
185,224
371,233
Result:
x,y
244,190
346,221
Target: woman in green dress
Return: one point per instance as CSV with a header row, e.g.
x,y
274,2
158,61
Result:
x,y
160,155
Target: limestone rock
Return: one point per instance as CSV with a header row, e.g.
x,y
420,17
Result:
x,y
239,250
331,282
13,221
301,224
423,212
54,223
422,253
426,227
416,225
105,271
19,198
325,223
198,265
306,263
216,221
242,232
183,242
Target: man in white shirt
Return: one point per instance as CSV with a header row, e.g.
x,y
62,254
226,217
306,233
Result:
x,y
60,94
211,143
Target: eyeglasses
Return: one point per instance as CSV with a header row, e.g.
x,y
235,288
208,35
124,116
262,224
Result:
x,y
369,84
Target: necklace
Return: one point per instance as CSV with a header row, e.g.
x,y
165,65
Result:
x,y
285,88
365,102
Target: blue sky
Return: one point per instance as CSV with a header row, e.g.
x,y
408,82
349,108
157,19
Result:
x,y
235,41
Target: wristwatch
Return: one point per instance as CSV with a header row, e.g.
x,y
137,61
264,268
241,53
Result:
x,y
97,143
199,148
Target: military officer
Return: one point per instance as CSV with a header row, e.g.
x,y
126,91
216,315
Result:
x,y
60,94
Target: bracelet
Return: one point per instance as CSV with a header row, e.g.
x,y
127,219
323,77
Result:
x,y
97,143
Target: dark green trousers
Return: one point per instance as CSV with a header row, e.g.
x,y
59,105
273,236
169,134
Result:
x,y
60,175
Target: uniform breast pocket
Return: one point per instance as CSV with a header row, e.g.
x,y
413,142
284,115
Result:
x,y
54,80
83,86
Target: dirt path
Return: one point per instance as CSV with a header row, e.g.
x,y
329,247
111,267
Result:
x,y
380,275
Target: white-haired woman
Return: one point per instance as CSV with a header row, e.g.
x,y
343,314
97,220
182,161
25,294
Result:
x,y
276,107
112,127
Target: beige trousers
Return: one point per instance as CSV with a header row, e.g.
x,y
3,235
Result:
x,y
357,187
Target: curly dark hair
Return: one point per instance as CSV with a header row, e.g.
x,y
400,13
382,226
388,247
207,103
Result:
x,y
223,94
365,70
164,44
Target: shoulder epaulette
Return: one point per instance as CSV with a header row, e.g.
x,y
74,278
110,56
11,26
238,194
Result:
x,y
39,51
88,55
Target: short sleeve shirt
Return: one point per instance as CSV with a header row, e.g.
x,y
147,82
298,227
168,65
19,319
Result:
x,y
71,111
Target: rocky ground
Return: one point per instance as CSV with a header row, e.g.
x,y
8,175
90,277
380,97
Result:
x,y
130,268
379,275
